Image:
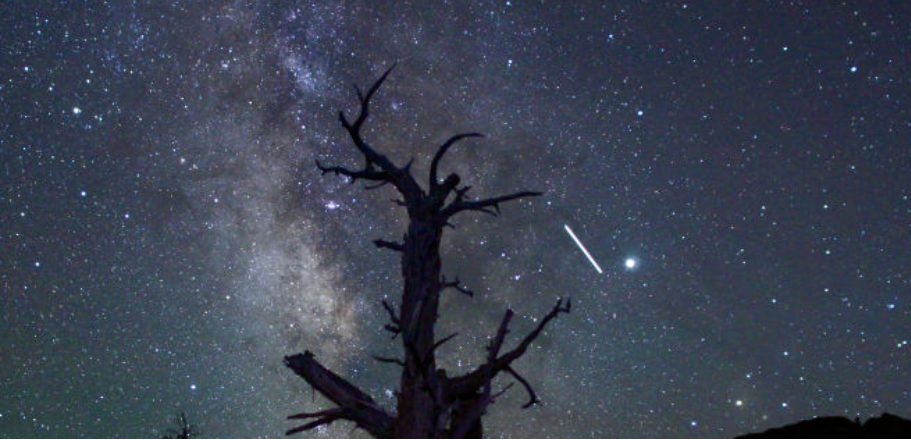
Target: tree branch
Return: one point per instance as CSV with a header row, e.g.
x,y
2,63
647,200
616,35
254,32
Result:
x,y
368,173
471,382
494,397
325,417
474,413
354,129
387,360
354,404
443,341
400,177
396,327
377,185
458,205
532,397
391,245
520,349
313,415
327,420
442,151
457,285
391,311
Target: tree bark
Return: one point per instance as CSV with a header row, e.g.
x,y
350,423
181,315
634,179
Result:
x,y
417,408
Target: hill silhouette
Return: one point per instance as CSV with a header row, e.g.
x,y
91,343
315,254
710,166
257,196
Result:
x,y
884,426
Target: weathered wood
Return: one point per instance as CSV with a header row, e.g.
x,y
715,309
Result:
x,y
354,404
429,404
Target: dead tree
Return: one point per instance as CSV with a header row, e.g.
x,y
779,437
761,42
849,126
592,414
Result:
x,y
430,404
183,428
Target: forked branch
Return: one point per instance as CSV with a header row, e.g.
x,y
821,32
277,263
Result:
x,y
471,382
396,327
388,172
487,373
354,129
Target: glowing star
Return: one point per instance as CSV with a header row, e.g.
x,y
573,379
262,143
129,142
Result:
x,y
584,251
630,263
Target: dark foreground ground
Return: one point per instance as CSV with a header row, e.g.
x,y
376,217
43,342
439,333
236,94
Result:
x,y
884,426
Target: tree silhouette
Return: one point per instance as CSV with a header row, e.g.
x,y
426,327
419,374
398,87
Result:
x,y
430,403
183,430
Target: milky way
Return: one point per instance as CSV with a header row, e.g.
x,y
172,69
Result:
x,y
166,238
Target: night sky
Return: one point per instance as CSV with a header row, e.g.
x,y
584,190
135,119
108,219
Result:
x,y
165,237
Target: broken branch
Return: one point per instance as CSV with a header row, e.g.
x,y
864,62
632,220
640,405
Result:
x,y
391,245
457,285
354,404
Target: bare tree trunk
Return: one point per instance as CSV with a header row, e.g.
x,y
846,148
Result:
x,y
430,404
420,300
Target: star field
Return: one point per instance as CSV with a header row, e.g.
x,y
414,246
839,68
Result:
x,y
741,173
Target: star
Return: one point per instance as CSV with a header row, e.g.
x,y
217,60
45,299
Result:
x,y
212,237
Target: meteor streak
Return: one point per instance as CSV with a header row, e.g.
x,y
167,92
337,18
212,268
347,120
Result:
x,y
584,251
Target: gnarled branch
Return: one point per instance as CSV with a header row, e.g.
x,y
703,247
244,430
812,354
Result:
x,y
459,204
353,404
430,402
388,171
442,151
354,129
471,382
487,373
520,349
